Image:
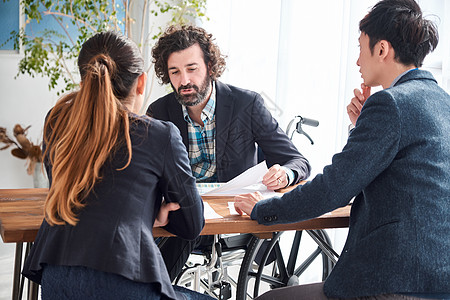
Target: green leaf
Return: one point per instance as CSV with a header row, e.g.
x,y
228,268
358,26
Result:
x,y
42,56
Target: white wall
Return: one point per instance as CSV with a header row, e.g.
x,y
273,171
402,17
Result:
x,y
24,101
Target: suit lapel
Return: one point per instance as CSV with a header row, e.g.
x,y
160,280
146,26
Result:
x,y
224,109
175,113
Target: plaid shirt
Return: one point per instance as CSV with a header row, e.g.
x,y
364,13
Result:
x,y
202,142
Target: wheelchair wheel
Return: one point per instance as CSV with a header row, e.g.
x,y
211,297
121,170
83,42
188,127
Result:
x,y
264,268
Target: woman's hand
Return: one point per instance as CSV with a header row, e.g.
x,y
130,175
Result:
x,y
163,215
245,203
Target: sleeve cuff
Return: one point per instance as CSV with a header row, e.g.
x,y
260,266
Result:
x,y
350,128
253,214
290,175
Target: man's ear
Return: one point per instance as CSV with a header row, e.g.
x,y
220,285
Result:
x,y
142,80
384,49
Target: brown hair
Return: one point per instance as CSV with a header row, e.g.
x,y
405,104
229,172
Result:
x,y
177,38
84,127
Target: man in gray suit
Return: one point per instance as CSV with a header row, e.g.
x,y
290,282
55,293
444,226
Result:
x,y
397,164
222,126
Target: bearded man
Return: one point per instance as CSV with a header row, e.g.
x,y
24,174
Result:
x,y
222,126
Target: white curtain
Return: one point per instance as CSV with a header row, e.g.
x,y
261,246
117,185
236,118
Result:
x,y
302,56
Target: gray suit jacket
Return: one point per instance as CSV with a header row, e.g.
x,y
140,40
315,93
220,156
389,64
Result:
x,y
241,121
397,164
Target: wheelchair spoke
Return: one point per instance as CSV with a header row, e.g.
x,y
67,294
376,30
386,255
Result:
x,y
294,252
308,261
264,268
280,261
274,281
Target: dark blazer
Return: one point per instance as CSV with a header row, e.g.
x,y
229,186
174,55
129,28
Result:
x,y
114,232
397,164
241,121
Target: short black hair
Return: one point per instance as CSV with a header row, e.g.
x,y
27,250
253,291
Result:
x,y
400,22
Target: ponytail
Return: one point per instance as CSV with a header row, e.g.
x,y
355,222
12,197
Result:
x,y
81,132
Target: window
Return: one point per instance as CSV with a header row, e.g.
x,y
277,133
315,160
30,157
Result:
x,y
9,21
302,55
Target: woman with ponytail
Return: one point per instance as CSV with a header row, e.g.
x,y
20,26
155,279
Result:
x,y
109,169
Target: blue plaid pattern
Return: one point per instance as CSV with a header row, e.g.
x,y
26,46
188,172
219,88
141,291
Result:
x,y
202,142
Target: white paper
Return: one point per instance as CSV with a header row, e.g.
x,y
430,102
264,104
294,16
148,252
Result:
x,y
205,187
232,209
247,182
209,212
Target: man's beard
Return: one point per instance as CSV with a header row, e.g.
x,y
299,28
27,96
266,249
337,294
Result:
x,y
195,98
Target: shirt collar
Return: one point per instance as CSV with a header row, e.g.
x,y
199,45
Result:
x,y
208,111
400,76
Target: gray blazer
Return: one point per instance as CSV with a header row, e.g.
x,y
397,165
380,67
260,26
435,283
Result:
x,y
241,121
397,164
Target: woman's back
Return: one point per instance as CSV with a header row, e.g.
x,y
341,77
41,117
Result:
x,y
114,231
109,174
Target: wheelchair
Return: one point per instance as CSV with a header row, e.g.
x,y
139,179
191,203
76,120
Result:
x,y
261,262
207,269
264,267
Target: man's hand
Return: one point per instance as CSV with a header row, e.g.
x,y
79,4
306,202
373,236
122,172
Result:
x,y
275,178
357,102
245,203
163,215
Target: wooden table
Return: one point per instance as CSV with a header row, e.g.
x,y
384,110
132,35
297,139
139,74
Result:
x,y
21,214
243,224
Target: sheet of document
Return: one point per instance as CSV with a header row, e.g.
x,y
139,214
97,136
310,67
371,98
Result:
x,y
247,182
206,187
209,212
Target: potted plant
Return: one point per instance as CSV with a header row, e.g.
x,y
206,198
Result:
x,y
23,148
52,52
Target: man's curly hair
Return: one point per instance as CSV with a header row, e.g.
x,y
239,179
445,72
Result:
x,y
177,38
